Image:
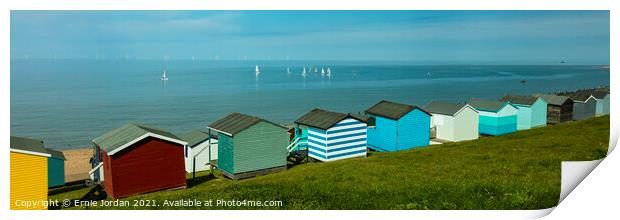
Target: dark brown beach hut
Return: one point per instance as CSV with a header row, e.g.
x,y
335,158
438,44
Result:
x,y
559,108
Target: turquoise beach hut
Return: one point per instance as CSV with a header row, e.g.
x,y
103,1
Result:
x,y
398,126
333,135
532,111
496,118
249,146
55,168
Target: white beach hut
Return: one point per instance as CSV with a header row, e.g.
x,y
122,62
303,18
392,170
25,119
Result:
x,y
200,150
452,121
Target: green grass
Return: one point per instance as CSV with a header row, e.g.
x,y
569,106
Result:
x,y
514,171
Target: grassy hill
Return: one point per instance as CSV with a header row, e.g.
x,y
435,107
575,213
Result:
x,y
514,171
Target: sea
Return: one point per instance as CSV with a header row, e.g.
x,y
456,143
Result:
x,y
67,103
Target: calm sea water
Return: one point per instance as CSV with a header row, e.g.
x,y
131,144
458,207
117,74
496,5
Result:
x,y
67,103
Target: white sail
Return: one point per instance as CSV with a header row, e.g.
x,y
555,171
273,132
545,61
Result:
x,y
315,70
322,71
163,76
257,70
329,72
303,73
288,70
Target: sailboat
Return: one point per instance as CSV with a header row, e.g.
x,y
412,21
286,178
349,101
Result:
x,y
164,77
315,70
257,71
322,71
329,72
303,73
288,70
429,74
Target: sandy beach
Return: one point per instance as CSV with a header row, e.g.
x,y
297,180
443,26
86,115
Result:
x,y
77,164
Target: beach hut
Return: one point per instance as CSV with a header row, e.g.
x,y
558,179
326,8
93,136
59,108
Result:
x,y
333,135
200,150
28,175
56,168
397,126
532,111
140,159
495,117
602,102
584,104
559,108
250,146
452,121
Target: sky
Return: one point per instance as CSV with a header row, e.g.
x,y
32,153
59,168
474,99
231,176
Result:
x,y
448,37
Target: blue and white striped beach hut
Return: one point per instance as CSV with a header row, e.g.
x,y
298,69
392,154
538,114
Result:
x,y
333,135
496,118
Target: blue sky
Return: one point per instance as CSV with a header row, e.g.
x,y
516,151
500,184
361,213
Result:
x,y
476,37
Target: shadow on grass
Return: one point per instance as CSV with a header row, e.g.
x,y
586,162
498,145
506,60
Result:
x,y
191,182
64,189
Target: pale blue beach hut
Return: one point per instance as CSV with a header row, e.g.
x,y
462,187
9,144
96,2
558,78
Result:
x,y
398,126
532,111
602,102
496,118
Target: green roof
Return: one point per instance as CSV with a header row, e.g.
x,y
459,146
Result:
x,y
127,133
391,110
554,99
196,137
56,154
236,122
28,144
323,119
486,105
519,100
443,108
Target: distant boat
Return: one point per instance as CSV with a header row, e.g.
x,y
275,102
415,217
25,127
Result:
x,y
329,72
257,71
523,81
429,74
303,73
164,77
562,61
315,70
322,72
288,70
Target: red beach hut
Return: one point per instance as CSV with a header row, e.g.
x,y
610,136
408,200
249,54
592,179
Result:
x,y
140,159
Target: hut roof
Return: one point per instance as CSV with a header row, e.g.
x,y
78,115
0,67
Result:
x,y
235,122
599,94
392,110
196,137
56,154
324,119
29,145
520,100
117,139
444,108
486,105
554,99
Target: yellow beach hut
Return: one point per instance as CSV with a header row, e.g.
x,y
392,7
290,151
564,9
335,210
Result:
x,y
28,174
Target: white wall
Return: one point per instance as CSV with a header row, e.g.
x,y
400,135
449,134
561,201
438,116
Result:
x,y
201,153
